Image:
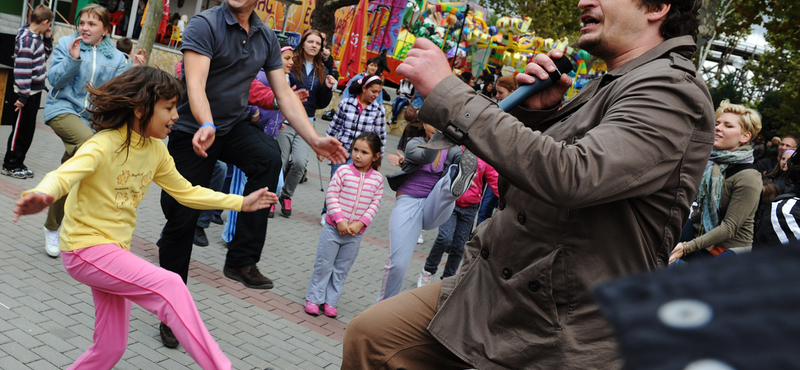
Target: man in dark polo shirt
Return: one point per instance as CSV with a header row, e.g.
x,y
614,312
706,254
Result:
x,y
224,48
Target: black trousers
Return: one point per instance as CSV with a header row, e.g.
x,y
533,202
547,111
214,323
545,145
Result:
x,y
22,132
258,156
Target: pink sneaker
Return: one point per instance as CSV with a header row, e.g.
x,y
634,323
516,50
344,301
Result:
x,y
330,311
312,309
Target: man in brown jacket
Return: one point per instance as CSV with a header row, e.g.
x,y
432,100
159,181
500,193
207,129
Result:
x,y
592,189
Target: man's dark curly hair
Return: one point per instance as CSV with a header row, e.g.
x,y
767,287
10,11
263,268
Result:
x,y
682,17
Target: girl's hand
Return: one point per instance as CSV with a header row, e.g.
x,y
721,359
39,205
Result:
x,y
140,58
343,228
259,199
75,48
355,227
329,147
283,126
32,203
302,93
330,81
396,159
677,253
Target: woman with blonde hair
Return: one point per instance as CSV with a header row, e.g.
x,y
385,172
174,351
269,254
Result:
x,y
729,191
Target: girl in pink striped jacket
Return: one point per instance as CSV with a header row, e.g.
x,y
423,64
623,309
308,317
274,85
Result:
x,y
353,198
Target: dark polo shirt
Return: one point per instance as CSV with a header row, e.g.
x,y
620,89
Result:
x,y
236,58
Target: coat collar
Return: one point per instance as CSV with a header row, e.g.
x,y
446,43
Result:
x,y
683,45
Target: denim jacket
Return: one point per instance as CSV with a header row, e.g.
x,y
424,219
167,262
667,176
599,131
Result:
x,y
68,76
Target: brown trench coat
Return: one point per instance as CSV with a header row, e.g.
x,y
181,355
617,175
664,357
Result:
x,y
601,191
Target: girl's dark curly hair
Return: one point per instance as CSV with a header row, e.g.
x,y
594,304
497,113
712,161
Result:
x,y
114,102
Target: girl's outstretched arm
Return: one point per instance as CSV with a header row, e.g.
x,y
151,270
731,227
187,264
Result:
x,y
32,203
259,199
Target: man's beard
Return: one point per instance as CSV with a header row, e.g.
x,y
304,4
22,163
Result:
x,y
594,46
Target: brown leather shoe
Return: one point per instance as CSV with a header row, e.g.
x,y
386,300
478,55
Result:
x,y
167,336
249,276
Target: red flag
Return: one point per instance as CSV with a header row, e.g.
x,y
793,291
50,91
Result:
x,y
354,59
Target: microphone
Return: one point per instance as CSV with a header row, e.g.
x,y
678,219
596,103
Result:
x,y
563,65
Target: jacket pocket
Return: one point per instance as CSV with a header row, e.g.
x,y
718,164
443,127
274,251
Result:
x,y
558,294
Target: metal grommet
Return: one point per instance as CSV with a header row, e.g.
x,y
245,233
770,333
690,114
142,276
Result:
x,y
708,364
468,115
685,314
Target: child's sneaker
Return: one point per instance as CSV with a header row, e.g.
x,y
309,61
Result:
x,y
271,213
420,240
286,206
424,278
312,309
28,173
464,174
329,310
16,173
51,242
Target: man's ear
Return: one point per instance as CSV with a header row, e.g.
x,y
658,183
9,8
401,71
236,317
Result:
x,y
659,14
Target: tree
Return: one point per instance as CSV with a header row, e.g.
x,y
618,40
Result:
x,y
549,18
777,71
151,23
323,17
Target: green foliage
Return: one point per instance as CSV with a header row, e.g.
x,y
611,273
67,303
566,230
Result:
x,y
777,71
549,18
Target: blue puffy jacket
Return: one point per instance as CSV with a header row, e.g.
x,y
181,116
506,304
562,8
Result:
x,y
68,76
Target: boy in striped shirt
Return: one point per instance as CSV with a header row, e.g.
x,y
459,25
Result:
x,y
33,46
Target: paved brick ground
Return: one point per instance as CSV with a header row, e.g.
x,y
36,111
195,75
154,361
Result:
x,y
46,317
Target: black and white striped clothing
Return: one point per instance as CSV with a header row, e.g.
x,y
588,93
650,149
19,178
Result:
x,y
780,223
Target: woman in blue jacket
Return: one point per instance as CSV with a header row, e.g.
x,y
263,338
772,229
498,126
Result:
x,y
308,73
86,57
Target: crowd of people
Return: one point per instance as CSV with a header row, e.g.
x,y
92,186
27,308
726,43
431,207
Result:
x,y
565,184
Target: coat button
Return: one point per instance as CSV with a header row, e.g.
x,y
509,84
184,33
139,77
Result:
x,y
501,205
485,253
534,286
685,314
506,273
521,218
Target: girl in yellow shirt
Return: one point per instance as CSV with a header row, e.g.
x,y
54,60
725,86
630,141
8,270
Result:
x,y
106,179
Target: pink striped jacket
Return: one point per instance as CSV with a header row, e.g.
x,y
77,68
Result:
x,y
354,196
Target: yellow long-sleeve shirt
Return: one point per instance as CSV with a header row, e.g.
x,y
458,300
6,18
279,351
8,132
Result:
x,y
106,184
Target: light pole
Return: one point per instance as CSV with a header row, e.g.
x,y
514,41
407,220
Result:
x,y
738,64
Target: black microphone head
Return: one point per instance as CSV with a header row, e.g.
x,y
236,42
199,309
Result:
x,y
563,64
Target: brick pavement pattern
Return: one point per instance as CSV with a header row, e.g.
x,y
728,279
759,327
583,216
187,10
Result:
x,y
47,318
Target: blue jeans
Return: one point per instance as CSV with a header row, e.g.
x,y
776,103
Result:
x,y
417,102
453,234
217,179
488,204
399,103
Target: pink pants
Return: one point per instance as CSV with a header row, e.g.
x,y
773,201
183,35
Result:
x,y
117,278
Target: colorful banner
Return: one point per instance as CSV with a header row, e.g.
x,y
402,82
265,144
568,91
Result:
x,y
272,12
341,32
354,58
385,19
